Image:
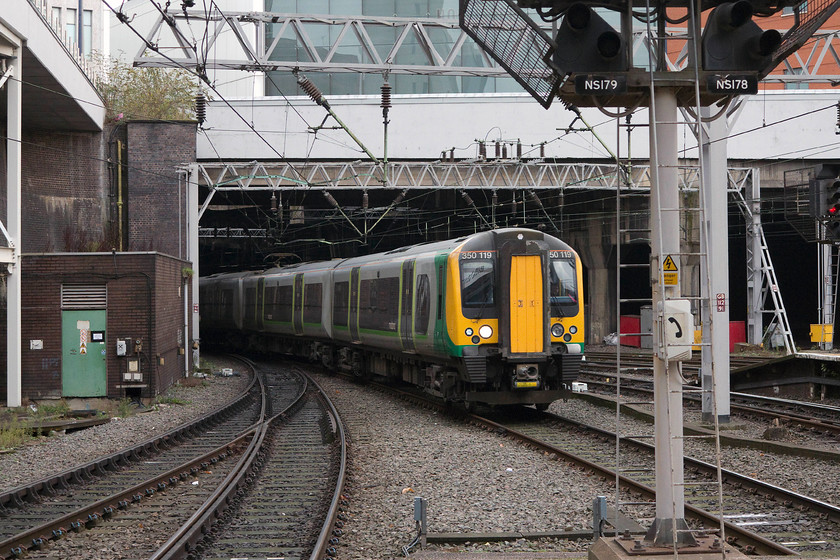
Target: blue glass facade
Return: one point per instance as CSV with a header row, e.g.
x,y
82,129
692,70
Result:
x,y
289,48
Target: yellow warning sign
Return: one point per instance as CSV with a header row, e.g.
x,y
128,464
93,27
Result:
x,y
669,265
83,348
671,278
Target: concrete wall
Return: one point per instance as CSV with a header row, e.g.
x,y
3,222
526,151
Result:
x,y
773,125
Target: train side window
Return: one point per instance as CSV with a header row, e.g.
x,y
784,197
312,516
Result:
x,y
312,303
421,304
284,303
341,301
379,304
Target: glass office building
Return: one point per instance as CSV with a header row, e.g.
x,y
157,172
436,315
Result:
x,y
383,37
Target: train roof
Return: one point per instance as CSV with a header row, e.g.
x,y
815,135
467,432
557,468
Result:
x,y
395,255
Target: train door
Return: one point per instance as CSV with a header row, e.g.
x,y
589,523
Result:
x,y
354,304
260,303
297,304
406,304
526,304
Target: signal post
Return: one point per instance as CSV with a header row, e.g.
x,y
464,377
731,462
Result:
x,y
587,62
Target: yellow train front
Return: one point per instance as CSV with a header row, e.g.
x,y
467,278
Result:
x,y
495,317
514,317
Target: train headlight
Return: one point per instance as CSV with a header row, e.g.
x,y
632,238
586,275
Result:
x,y
557,330
475,339
468,332
573,329
485,331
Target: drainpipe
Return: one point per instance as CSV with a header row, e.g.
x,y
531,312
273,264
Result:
x,y
119,195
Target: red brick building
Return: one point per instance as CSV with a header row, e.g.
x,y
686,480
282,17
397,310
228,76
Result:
x,y
92,318
87,199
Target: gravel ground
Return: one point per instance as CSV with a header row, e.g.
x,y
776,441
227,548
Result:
x,y
792,472
475,481
44,456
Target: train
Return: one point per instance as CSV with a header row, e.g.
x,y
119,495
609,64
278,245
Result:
x,y
496,317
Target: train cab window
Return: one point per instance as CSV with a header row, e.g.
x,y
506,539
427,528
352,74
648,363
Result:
x,y
341,301
563,288
312,303
477,289
422,303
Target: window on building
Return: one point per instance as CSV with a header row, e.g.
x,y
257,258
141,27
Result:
x,y
788,10
87,32
70,24
56,17
795,85
350,50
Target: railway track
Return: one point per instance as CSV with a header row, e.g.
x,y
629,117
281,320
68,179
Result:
x,y
815,417
82,497
114,498
759,518
284,497
781,518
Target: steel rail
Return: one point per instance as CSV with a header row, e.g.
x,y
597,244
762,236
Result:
x,y
33,491
747,538
796,418
185,538
90,515
321,545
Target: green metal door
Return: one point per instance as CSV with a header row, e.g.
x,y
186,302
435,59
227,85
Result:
x,y
83,367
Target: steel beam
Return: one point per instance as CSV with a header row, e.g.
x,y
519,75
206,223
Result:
x,y
254,50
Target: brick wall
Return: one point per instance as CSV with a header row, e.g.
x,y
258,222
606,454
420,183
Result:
x,y
64,190
145,300
155,196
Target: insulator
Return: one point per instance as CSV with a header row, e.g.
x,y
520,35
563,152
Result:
x,y
365,200
498,149
482,150
200,108
311,90
518,149
504,151
400,197
467,198
452,154
273,203
837,130
495,198
542,150
386,96
533,196
331,200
